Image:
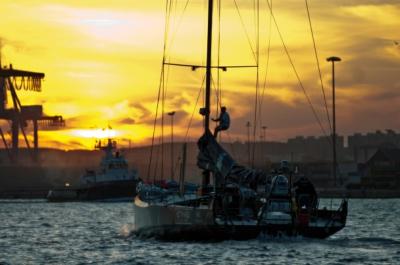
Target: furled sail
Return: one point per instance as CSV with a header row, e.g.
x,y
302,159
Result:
x,y
214,158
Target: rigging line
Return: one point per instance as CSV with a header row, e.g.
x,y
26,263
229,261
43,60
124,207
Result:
x,y
174,7
163,98
178,24
297,75
267,66
217,97
164,93
223,67
154,128
231,143
165,89
170,10
204,37
318,65
216,91
245,30
167,25
167,16
160,150
254,18
171,21
157,159
162,127
257,81
219,92
194,109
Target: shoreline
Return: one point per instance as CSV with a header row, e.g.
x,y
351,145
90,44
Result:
x,y
360,194
351,194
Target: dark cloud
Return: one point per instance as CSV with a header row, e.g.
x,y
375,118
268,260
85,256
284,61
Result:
x,y
368,70
73,144
364,2
76,121
385,96
181,118
178,101
143,113
50,128
17,45
127,121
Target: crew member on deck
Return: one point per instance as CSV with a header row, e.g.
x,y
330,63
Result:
x,y
224,122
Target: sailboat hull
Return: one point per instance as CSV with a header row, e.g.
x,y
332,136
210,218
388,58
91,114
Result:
x,y
185,223
311,231
321,232
322,224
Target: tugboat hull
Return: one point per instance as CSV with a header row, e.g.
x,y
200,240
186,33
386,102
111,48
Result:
x,y
121,191
112,191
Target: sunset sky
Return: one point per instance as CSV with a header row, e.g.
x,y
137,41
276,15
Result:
x,y
102,61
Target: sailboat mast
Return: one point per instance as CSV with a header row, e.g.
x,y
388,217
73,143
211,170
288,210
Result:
x,y
206,173
208,65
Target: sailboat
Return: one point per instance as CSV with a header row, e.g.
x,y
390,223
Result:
x,y
232,208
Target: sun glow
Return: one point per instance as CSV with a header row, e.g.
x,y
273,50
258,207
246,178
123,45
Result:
x,y
95,133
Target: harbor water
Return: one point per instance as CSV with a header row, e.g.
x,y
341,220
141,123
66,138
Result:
x,y
37,232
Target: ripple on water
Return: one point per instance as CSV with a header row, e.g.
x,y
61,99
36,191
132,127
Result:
x,y
100,233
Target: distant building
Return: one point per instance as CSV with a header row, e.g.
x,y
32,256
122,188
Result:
x,y
312,149
382,170
320,173
364,146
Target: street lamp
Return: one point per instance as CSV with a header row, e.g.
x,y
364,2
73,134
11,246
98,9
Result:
x,y
334,59
172,113
248,125
264,133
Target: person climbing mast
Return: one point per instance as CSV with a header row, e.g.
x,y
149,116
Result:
x,y
224,122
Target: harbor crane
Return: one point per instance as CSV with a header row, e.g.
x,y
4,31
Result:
x,y
18,116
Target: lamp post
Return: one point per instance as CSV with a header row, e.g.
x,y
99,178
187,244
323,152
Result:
x,y
248,125
264,133
334,59
264,143
172,113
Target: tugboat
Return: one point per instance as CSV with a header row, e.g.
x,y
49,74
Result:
x,y
114,181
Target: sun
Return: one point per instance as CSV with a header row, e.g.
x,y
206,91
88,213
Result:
x,y
96,133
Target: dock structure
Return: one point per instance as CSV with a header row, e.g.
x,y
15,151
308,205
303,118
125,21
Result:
x,y
17,114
